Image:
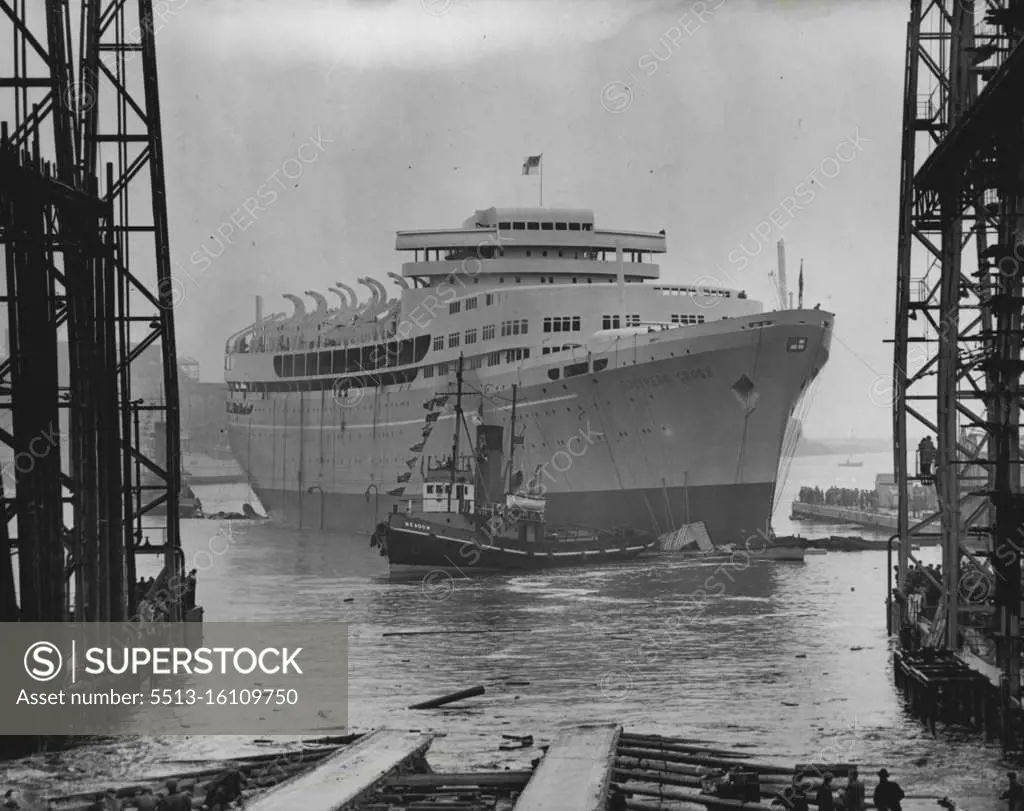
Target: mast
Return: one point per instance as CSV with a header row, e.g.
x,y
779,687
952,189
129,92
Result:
x,y
458,428
512,441
783,287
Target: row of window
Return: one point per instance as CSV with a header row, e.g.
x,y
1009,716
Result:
x,y
563,323
471,302
545,226
471,364
547,350
615,322
387,378
469,337
575,369
352,361
518,326
557,323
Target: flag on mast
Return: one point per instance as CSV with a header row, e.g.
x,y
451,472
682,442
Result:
x,y
532,163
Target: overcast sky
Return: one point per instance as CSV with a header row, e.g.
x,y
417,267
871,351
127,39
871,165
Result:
x,y
410,114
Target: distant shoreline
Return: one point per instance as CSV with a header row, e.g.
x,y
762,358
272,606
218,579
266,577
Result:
x,y
842,447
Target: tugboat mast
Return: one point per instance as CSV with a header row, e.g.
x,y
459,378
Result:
x,y
458,428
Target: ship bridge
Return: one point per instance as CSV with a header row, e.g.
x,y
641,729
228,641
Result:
x,y
531,241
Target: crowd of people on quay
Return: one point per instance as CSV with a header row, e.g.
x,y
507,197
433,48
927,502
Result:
x,y
923,591
887,795
156,607
840,497
926,581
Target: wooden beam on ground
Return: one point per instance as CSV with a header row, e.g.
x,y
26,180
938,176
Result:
x,y
509,779
575,773
350,775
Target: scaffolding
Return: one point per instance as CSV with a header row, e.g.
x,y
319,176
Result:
x,y
86,269
957,358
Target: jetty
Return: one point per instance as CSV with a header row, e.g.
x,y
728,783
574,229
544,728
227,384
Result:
x,y
828,513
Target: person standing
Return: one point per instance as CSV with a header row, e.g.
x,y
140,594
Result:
x,y
617,802
926,456
853,797
825,798
174,801
145,801
1014,794
888,793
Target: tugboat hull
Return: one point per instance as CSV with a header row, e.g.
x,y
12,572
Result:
x,y
412,544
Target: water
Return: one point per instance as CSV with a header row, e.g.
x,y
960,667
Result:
x,y
792,658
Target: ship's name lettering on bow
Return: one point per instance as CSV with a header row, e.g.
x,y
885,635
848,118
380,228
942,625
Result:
x,y
657,381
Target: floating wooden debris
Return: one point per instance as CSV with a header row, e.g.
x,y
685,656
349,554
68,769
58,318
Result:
x,y
450,698
457,631
516,742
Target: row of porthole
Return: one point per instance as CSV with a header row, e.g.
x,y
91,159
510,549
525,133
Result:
x,y
316,408
349,461
340,431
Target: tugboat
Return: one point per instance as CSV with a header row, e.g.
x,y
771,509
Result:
x,y
455,523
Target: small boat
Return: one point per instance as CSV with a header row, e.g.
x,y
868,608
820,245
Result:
x,y
851,462
449,527
485,537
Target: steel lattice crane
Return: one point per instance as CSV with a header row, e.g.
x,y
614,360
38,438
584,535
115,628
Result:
x,y
92,458
957,358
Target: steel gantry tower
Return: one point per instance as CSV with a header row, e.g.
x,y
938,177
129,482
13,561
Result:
x,y
957,358
86,272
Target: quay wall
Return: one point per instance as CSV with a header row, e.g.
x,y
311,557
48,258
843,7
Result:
x,y
844,515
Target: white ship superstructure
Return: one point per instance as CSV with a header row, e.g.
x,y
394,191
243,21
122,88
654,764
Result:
x,y
639,404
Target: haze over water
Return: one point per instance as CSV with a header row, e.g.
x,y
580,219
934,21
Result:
x,y
790,659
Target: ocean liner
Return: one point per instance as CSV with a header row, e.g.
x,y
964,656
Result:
x,y
641,405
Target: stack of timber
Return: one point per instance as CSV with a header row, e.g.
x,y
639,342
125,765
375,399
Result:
x,y
585,767
658,773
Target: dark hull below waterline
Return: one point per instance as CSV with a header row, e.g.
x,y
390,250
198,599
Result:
x,y
732,513
409,550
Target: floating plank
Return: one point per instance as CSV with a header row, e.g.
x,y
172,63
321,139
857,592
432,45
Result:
x,y
449,699
575,773
350,775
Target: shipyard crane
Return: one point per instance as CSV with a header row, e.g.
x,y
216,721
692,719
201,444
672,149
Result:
x,y
957,348
82,173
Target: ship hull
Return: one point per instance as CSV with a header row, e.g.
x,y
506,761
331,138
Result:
x,y
728,511
687,426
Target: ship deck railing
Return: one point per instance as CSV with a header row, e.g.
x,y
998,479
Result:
x,y
509,512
